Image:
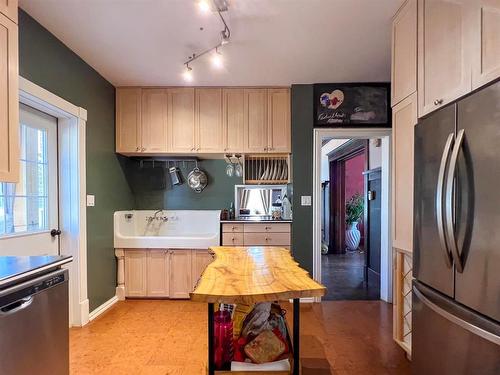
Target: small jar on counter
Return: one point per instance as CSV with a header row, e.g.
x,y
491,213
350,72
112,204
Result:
x,y
276,211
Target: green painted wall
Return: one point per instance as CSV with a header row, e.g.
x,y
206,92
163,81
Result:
x,y
302,172
152,188
44,60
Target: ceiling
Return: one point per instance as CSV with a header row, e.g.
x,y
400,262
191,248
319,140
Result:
x,y
273,42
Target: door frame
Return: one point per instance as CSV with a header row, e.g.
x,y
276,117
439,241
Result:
x,y
336,164
386,277
71,122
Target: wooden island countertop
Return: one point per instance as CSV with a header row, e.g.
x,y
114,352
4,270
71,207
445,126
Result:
x,y
254,274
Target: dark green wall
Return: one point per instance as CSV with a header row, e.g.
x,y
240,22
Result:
x,y
44,60
152,188
302,173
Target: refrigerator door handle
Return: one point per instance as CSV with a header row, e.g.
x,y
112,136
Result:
x,y
439,200
456,320
450,230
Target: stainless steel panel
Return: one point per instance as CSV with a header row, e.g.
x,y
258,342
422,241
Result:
x,y
449,339
34,338
431,135
478,202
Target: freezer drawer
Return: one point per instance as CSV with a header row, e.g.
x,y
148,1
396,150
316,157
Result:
x,y
34,326
448,339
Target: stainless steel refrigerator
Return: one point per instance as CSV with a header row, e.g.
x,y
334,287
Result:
x,y
456,260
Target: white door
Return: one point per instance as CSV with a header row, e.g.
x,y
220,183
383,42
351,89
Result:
x,y
29,209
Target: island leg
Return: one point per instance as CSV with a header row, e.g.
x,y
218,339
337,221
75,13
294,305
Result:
x,y
211,364
296,336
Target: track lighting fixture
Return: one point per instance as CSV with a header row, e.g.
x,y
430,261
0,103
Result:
x,y
188,74
204,6
217,61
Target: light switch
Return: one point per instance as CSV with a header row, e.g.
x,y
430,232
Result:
x,y
305,200
90,200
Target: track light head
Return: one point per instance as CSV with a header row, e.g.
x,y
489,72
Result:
x,y
188,74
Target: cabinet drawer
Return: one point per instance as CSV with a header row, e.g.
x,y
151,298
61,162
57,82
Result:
x,y
232,228
267,239
267,228
232,239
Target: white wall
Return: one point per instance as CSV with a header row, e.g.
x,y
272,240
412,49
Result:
x,y
375,154
325,150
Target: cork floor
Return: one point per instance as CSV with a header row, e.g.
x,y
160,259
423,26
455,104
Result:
x,y
169,337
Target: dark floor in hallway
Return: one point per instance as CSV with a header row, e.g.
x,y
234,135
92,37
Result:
x,y
343,275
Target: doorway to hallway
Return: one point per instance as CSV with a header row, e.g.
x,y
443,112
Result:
x,y
351,213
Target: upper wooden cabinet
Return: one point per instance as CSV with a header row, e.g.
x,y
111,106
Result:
x,y
486,40
202,120
9,9
404,118
128,120
154,111
181,120
279,127
233,114
256,120
444,54
209,126
9,99
404,52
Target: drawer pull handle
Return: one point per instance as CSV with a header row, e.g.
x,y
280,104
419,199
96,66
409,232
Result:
x,y
267,239
233,228
438,101
267,228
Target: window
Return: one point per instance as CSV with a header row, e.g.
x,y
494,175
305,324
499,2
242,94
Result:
x,y
24,205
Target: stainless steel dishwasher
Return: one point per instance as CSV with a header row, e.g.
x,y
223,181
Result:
x,y
34,326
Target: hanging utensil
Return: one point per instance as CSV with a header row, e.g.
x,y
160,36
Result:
x,y
197,179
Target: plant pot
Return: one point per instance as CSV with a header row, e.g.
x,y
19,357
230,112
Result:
x,y
352,237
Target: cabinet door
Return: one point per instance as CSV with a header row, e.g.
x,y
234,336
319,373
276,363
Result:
x,y
444,66
209,120
181,124
180,274
233,113
201,259
135,273
9,9
486,42
404,52
256,120
158,273
404,119
128,120
9,101
279,136
154,120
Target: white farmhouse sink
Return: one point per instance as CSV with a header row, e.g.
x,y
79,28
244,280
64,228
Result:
x,y
183,229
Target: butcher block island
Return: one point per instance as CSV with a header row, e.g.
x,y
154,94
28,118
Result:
x,y
242,287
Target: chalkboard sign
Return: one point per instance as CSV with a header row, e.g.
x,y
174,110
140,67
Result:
x,y
352,104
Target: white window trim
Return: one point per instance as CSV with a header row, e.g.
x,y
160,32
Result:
x,y
386,276
72,186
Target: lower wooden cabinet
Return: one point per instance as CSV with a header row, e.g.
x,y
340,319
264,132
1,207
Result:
x,y
256,234
161,273
180,273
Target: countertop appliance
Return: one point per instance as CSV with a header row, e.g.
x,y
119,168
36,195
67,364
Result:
x,y
456,260
34,315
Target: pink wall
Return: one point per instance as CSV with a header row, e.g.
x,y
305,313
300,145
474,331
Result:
x,y
354,181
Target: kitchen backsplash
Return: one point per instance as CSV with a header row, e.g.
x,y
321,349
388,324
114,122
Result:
x,y
152,188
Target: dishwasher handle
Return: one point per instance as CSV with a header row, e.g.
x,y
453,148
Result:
x,y
16,306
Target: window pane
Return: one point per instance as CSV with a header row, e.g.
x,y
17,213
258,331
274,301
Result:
x,y
24,206
2,211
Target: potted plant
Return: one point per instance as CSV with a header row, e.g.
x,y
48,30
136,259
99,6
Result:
x,y
354,208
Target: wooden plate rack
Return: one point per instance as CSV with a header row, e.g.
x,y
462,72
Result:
x,y
265,169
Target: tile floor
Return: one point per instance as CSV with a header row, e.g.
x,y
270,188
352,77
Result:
x,y
169,337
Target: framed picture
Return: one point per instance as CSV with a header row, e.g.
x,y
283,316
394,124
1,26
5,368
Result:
x,y
352,104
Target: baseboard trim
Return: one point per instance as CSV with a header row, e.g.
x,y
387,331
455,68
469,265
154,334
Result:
x,y
101,309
